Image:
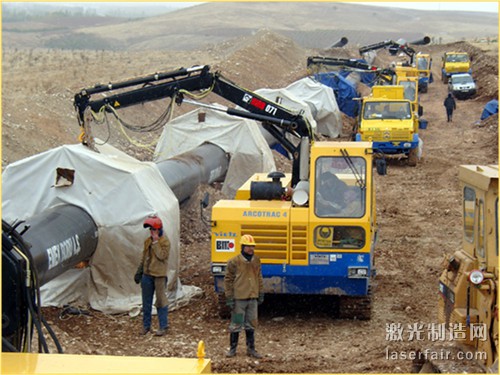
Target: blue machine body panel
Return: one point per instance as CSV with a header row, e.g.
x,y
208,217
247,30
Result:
x,y
333,274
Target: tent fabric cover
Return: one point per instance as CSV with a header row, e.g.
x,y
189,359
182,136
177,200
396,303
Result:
x,y
239,137
291,101
323,104
344,91
118,191
490,109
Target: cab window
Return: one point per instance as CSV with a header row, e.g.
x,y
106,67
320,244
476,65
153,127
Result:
x,y
496,226
468,213
480,230
340,189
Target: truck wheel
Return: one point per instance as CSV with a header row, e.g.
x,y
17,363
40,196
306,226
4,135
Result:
x,y
413,157
223,309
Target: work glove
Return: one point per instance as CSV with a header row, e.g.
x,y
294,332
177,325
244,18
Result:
x,y
138,274
230,302
261,298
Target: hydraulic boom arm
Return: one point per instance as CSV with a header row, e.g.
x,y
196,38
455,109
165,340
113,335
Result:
x,y
277,120
396,46
314,62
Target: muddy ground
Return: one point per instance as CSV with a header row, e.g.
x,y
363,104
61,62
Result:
x,y
419,215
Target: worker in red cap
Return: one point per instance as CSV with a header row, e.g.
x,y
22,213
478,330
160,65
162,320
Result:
x,y
244,289
152,275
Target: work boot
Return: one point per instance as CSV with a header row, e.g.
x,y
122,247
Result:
x,y
161,332
233,341
144,331
251,352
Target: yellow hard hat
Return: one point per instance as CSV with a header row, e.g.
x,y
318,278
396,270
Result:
x,y
247,240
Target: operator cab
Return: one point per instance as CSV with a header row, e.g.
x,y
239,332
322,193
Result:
x,y
340,187
387,110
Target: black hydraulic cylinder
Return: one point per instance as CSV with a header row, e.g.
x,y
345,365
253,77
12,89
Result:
x,y
60,238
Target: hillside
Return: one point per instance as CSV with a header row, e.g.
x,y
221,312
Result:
x,y
310,24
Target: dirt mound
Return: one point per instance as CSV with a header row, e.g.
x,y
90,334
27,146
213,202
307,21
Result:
x,y
265,60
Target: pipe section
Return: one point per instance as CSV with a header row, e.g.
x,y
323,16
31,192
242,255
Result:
x,y
422,42
65,235
340,43
184,173
60,238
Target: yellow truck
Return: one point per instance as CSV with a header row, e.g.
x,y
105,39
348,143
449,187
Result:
x,y
388,120
468,285
318,240
453,63
307,245
423,63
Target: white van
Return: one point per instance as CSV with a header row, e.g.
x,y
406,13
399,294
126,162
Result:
x,y
462,85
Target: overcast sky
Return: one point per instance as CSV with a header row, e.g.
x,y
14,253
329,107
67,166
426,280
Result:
x,y
491,6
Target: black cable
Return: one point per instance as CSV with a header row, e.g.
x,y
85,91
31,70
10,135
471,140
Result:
x,y
53,335
30,292
154,126
36,321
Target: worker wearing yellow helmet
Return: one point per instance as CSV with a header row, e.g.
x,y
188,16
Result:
x,y
244,286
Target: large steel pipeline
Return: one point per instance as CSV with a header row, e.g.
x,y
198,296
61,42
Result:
x,y
184,173
340,43
64,235
421,42
60,237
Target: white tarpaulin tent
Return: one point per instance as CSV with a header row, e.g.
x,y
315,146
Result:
x,y
118,192
290,100
239,137
321,100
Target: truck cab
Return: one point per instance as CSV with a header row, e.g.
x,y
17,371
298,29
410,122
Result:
x,y
468,285
423,63
320,240
410,90
388,120
453,63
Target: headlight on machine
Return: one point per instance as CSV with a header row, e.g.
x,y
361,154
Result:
x,y
407,145
217,269
358,272
476,277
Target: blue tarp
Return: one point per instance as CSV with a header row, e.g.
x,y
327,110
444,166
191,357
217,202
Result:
x,y
344,91
490,109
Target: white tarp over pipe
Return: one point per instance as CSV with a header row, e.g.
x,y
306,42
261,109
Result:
x,y
239,137
321,100
118,191
292,101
